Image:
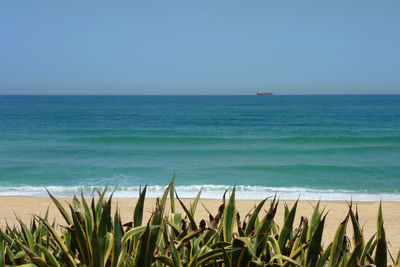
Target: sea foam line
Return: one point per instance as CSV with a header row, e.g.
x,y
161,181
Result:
x,y
208,192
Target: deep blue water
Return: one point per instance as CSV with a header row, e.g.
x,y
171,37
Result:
x,y
326,147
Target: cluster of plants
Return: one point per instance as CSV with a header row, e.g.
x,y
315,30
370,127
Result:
x,y
92,236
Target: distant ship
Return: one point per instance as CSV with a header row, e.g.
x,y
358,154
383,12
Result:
x,y
259,92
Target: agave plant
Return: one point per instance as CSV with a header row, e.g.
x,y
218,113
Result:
x,y
91,236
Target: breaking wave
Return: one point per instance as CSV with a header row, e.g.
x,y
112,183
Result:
x,y
208,192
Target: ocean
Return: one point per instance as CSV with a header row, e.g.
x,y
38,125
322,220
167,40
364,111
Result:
x,y
331,147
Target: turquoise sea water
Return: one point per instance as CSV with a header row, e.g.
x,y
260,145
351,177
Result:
x,y
312,147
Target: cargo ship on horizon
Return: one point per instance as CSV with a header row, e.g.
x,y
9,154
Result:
x,y
259,92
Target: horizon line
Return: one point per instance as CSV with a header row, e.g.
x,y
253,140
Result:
x,y
351,94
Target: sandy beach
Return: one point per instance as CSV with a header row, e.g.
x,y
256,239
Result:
x,y
24,207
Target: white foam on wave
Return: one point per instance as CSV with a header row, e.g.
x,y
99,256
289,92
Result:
x,y
208,192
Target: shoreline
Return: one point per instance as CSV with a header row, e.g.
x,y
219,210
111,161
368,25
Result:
x,y
255,200
24,207
187,192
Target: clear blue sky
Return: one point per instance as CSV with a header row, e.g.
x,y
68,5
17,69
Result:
x,y
199,47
